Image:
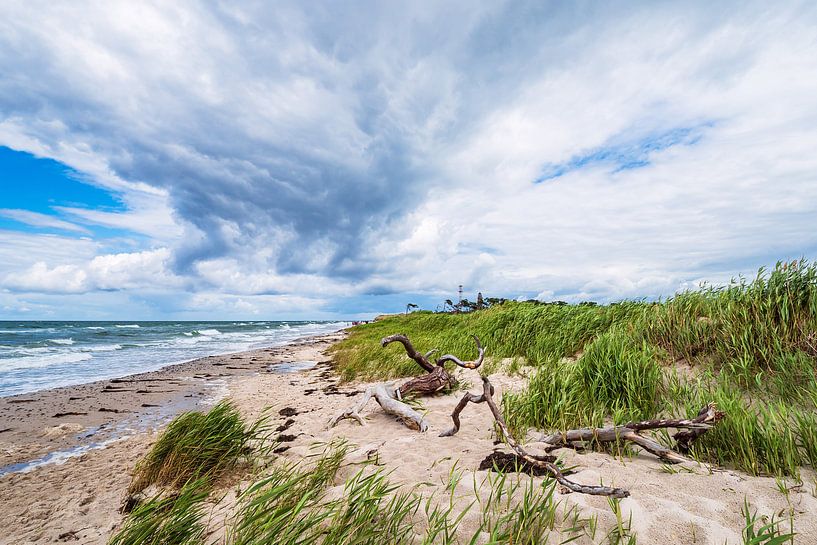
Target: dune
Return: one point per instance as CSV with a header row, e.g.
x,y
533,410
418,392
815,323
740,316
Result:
x,y
78,500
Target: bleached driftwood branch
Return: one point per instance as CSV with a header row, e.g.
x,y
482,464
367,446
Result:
x,y
389,397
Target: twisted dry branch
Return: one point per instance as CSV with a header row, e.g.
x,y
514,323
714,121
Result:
x,y
689,430
466,364
422,360
538,461
384,394
389,397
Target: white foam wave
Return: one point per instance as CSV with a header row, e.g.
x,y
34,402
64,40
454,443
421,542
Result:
x,y
102,348
68,341
32,362
94,327
54,364
34,330
135,326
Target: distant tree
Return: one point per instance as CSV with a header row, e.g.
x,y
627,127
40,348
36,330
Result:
x,y
410,307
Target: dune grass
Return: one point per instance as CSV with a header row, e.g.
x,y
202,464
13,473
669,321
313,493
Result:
x,y
763,530
750,346
199,445
174,519
290,505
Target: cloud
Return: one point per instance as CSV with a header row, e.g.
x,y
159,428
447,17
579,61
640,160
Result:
x,y
36,219
333,152
125,271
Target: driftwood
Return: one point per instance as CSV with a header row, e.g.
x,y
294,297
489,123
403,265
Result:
x,y
543,462
385,396
437,378
390,397
690,429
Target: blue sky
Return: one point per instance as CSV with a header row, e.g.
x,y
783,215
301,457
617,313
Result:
x,y
207,161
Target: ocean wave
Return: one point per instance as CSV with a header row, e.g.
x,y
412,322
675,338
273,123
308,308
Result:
x,y
208,332
32,362
68,341
33,351
102,348
135,326
37,363
29,330
94,327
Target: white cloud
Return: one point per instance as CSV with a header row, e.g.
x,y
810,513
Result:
x,y
39,278
299,156
41,220
124,271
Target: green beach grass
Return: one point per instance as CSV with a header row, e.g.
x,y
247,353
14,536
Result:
x,y
290,506
167,519
202,446
751,347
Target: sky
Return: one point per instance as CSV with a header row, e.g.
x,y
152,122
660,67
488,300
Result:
x,y
325,160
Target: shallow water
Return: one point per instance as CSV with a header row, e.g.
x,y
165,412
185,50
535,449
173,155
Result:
x,y
39,355
102,436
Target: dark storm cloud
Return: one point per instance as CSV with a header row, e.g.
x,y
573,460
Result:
x,y
282,123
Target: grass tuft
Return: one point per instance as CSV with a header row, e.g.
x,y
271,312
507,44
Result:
x,y
198,445
174,519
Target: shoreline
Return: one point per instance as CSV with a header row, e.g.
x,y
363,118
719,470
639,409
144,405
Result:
x,y
78,499
58,419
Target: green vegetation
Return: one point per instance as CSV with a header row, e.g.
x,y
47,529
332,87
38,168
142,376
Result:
x,y
199,446
762,530
166,519
290,505
750,346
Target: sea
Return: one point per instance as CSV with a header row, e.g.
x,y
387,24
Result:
x,y
40,355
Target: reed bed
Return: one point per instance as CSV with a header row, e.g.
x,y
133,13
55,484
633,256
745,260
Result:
x,y
750,346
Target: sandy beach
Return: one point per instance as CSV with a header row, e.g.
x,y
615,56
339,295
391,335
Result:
x,y
78,500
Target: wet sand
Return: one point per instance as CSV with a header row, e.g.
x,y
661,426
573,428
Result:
x,y
34,425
